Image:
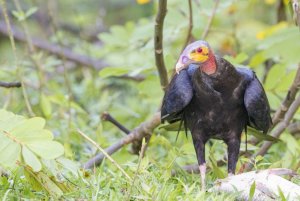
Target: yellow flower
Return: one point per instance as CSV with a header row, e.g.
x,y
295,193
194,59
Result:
x,y
271,30
270,2
142,1
286,2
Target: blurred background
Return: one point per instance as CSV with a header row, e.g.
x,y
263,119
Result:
x,y
77,59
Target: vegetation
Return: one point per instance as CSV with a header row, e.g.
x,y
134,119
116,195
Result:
x,y
76,62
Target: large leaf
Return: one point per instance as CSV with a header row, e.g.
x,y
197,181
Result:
x,y
261,136
26,140
31,159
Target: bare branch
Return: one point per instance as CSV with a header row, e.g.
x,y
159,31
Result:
x,y
206,30
54,49
104,153
10,84
143,130
276,132
294,128
107,117
189,33
158,43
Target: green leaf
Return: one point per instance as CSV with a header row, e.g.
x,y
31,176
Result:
x,y
258,158
36,135
46,149
216,170
46,106
35,123
240,58
10,153
257,59
261,136
70,165
31,159
31,11
43,181
24,140
281,194
20,15
113,71
274,76
172,127
252,191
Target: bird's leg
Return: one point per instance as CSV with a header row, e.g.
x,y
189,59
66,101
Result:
x,y
233,147
200,151
202,169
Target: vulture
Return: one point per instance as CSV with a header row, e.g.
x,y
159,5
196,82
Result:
x,y
214,100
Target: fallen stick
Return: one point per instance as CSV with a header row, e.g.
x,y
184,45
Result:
x,y
10,84
53,48
268,185
143,130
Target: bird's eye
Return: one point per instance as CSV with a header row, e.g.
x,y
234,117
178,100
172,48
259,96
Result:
x,y
199,50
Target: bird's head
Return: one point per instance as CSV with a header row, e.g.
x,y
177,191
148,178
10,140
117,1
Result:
x,y
198,52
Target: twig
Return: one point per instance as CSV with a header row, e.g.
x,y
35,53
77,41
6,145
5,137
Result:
x,y
296,9
143,148
138,133
281,14
189,33
294,128
10,33
278,130
206,30
70,96
54,49
105,154
107,117
10,84
158,43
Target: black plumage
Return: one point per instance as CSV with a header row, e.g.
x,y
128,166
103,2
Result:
x,y
218,106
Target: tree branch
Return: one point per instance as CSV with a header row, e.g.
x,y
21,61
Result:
x,y
107,117
189,33
294,128
278,130
54,49
206,30
10,84
158,43
143,130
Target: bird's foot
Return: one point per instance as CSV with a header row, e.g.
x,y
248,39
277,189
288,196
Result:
x,y
230,174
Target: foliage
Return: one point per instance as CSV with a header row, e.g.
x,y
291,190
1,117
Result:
x,y
72,96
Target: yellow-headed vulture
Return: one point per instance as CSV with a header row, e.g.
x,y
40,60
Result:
x,y
214,100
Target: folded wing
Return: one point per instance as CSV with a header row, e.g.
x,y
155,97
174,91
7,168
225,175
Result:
x,y
256,102
178,95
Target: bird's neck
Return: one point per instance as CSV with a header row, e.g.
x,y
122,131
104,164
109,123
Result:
x,y
209,67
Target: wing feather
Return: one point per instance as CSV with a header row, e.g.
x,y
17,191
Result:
x,y
178,95
256,102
